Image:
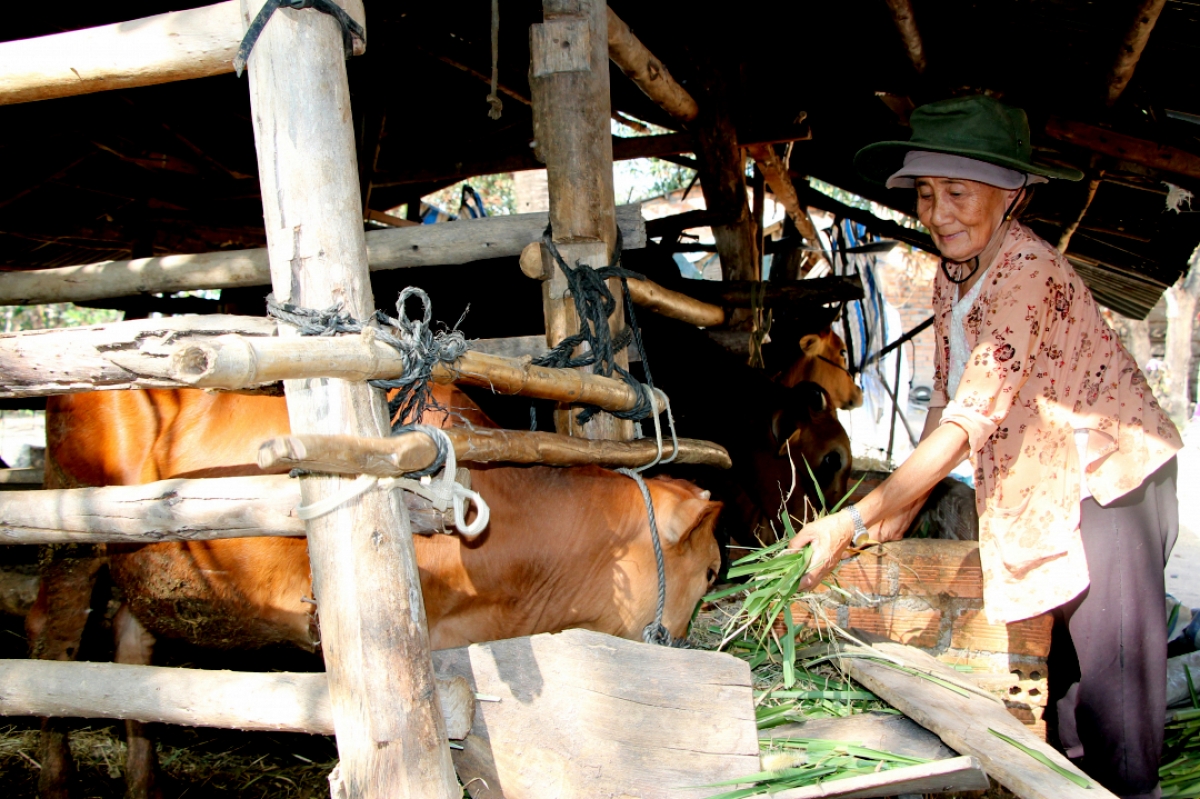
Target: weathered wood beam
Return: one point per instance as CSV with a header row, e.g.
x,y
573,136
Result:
x,y
777,177
906,25
393,457
640,66
1128,148
569,82
880,227
177,510
797,293
941,776
175,46
391,735
645,293
387,219
1132,46
1095,177
279,701
415,245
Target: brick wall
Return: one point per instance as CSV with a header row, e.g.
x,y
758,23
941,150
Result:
x,y
906,279
929,594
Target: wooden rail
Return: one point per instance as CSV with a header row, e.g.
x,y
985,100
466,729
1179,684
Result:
x,y
423,245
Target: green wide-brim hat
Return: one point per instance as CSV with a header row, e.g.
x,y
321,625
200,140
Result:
x,y
972,127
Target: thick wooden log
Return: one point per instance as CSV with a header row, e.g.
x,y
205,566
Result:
x,y
390,732
641,67
419,245
963,722
175,46
43,362
279,701
1132,46
568,79
906,26
1128,148
776,174
174,510
393,457
646,293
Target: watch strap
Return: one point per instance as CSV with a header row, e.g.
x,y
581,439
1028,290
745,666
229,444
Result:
x,y
861,536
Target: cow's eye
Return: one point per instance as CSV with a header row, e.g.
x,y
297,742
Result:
x,y
711,575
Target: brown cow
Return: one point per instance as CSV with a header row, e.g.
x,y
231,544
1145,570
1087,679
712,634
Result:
x,y
564,548
823,361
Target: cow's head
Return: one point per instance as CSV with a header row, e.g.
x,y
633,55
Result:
x,y
805,435
687,521
823,361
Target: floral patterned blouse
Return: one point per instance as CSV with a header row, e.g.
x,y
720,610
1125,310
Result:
x,y
1043,364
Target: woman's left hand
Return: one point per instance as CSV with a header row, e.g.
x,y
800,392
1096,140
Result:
x,y
829,537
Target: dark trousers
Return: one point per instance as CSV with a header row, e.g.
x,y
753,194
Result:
x,y
1108,656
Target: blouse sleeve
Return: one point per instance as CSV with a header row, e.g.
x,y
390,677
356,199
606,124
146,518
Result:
x,y
1012,322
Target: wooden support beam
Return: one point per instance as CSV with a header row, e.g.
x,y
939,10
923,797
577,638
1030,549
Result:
x,y
394,456
796,293
191,352
1128,148
278,701
906,25
414,245
641,67
387,219
391,735
1132,46
176,510
645,293
963,721
1095,177
880,227
175,46
777,177
571,109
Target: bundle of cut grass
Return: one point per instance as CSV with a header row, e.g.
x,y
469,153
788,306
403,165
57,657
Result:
x,y
800,762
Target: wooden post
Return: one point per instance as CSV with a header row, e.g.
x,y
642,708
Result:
x,y
1132,46
776,173
906,26
571,111
640,65
390,733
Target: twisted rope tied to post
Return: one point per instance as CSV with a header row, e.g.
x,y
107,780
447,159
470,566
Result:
x,y
350,28
493,98
419,347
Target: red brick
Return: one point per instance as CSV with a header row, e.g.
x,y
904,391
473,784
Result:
x,y
943,568
971,630
919,628
868,573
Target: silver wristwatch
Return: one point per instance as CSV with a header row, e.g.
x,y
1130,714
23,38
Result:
x,y
861,536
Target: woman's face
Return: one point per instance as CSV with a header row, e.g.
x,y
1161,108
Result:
x,y
962,215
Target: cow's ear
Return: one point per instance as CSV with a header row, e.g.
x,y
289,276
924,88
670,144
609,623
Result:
x,y
783,424
808,398
688,517
810,345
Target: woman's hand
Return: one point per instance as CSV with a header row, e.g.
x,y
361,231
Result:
x,y
829,537
895,526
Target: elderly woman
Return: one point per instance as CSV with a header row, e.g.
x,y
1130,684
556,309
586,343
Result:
x,y
1074,460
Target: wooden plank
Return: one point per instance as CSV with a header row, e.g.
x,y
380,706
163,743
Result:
x,y
179,45
22,478
1128,148
391,736
647,72
459,242
392,457
887,732
571,111
954,774
585,714
280,701
963,723
171,510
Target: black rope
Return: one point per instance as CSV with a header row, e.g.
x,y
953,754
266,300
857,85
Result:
x,y
350,28
441,442
594,304
419,347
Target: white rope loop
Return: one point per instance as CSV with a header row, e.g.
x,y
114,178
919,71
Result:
x,y
444,492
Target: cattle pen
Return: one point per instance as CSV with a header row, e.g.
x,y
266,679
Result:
x,y
328,226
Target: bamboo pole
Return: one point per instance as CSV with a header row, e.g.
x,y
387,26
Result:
x,y
641,67
646,293
390,733
462,242
1132,46
280,701
392,457
776,174
179,45
179,509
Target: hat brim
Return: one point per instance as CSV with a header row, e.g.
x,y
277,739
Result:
x,y
876,162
